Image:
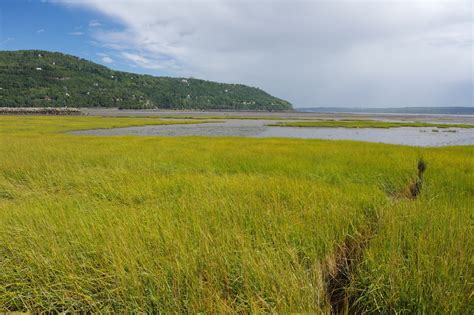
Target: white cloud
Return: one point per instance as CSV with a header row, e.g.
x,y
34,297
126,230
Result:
x,y
136,58
107,59
94,23
152,62
313,53
39,31
76,33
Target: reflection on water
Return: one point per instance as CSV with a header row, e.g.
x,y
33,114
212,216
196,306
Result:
x,y
258,129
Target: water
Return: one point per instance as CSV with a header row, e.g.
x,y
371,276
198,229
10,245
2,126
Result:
x,y
413,136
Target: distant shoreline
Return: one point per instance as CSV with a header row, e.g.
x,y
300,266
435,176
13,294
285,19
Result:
x,y
111,112
394,110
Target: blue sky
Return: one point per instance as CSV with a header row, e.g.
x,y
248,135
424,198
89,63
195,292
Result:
x,y
49,25
346,53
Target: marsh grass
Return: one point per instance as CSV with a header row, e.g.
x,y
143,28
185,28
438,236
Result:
x,y
419,259
223,225
22,125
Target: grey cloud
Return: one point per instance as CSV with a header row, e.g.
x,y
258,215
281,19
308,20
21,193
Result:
x,y
313,53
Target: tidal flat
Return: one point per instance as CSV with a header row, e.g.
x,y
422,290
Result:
x,y
421,134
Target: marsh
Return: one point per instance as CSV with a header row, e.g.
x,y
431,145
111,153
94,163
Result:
x,y
260,128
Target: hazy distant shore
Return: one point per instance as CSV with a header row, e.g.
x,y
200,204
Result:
x,y
394,110
292,115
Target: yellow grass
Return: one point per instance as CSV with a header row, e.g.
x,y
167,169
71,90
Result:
x,y
224,225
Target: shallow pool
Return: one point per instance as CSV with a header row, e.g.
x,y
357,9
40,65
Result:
x,y
413,136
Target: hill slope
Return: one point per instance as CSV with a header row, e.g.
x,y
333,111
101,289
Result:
x,y
41,78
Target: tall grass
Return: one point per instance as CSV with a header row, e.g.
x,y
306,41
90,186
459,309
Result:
x,y
422,256
130,224
22,125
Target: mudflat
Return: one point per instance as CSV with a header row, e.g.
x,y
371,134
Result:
x,y
268,128
469,119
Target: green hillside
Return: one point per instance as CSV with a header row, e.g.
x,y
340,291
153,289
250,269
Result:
x,y
36,78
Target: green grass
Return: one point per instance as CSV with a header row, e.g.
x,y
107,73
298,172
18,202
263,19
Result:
x,y
365,124
224,225
22,125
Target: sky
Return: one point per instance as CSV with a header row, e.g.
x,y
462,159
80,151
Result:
x,y
321,53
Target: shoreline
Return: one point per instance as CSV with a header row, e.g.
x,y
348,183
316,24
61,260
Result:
x,y
114,112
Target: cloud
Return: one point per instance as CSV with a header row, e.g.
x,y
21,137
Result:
x,y
76,33
107,59
94,23
137,59
313,53
150,62
39,31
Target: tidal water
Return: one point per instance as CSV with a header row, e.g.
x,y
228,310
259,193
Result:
x,y
413,136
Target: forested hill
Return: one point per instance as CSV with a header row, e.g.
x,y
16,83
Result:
x,y
35,78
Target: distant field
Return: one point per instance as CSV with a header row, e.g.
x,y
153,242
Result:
x,y
224,225
366,124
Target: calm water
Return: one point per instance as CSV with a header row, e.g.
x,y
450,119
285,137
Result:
x,y
258,129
